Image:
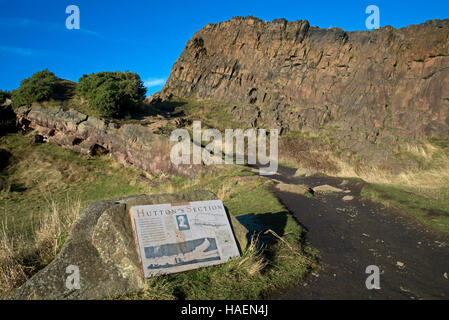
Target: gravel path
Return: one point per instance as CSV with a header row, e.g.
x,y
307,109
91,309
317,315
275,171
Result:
x,y
351,235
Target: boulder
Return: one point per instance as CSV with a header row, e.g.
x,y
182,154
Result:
x,y
102,246
304,172
325,188
293,188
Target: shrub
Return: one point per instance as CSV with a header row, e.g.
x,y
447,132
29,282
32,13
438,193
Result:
x,y
3,96
40,87
111,94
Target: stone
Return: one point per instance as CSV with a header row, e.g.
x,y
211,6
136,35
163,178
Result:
x,y
241,233
101,244
293,188
325,188
348,198
344,183
304,172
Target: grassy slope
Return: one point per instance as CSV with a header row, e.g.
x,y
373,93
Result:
x,y
47,186
41,173
422,193
43,176
212,114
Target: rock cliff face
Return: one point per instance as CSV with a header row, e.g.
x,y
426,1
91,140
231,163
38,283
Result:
x,y
370,86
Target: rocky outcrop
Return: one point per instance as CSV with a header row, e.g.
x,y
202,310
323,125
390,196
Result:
x,y
102,246
371,88
130,144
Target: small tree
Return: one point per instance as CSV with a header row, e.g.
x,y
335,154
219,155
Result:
x,y
111,94
40,87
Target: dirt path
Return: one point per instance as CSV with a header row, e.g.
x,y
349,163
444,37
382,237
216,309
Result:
x,y
352,235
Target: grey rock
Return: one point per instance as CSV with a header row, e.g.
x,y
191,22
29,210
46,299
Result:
x,y
304,172
325,188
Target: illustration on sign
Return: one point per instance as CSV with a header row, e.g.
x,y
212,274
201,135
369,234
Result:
x,y
176,254
183,223
179,237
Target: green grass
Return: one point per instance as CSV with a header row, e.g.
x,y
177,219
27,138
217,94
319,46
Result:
x,y
42,175
252,276
423,193
39,174
441,142
212,114
430,207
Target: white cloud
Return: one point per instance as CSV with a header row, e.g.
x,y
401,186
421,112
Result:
x,y
154,82
42,25
21,51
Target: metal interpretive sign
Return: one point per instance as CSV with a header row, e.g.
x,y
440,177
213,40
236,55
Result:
x,y
179,237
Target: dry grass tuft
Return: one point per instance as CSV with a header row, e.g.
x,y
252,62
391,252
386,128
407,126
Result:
x,y
20,258
53,229
307,153
252,260
226,189
433,174
12,272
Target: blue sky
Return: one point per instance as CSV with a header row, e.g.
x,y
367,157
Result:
x,y
148,36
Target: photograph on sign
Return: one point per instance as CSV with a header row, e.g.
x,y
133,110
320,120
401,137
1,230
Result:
x,y
179,237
